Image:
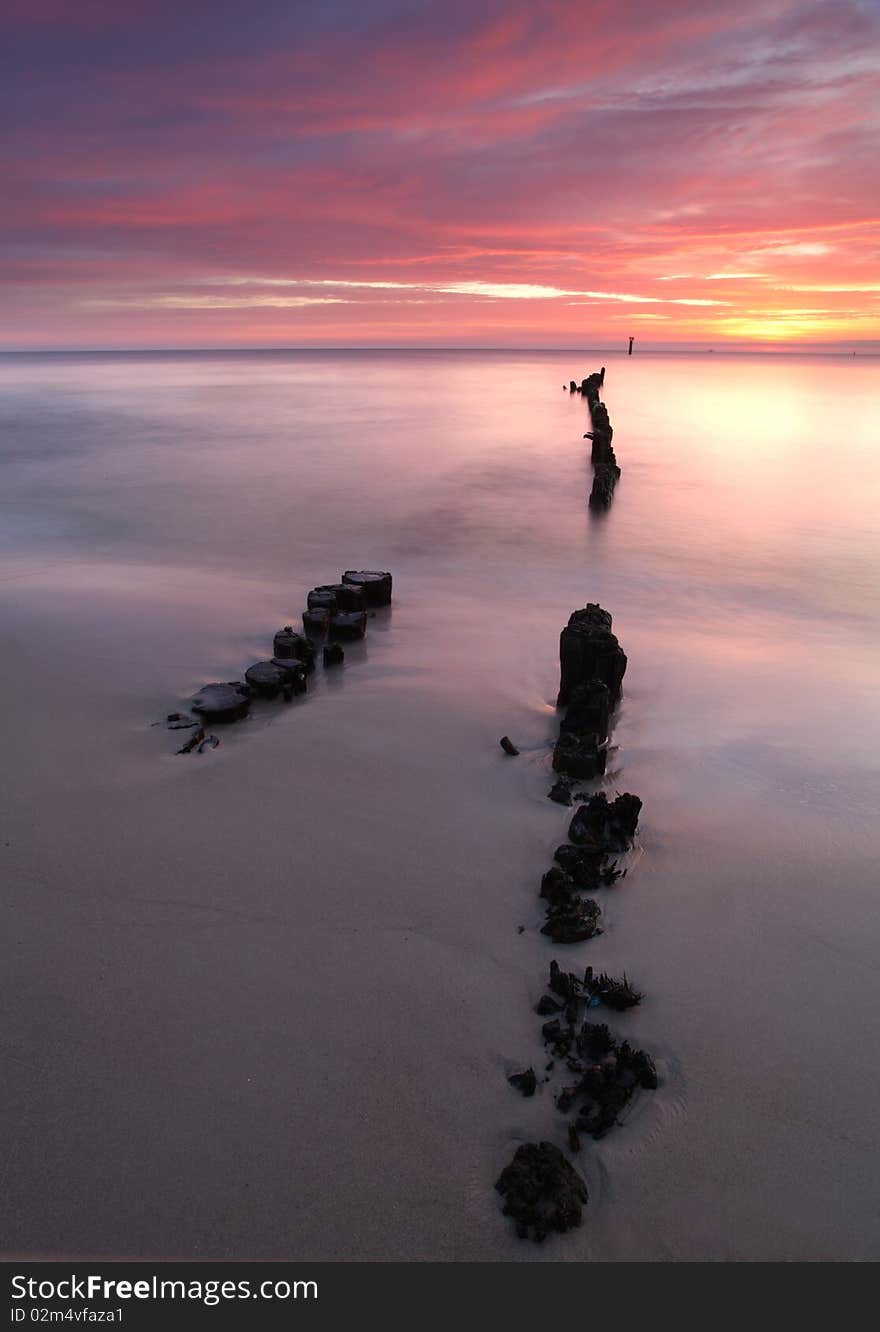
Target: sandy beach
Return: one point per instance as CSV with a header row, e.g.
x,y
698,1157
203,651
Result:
x,y
261,1003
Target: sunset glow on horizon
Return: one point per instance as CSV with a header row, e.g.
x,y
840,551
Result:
x,y
393,173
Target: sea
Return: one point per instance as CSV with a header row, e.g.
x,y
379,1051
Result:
x,y
262,1002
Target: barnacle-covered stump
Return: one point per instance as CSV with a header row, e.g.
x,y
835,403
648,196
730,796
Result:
x,y
573,920
587,867
603,826
608,1074
542,1191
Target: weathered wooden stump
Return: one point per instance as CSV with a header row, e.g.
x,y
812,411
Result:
x,y
321,599
601,450
348,596
605,478
334,654
267,679
316,622
588,711
580,756
348,625
288,645
222,702
375,586
295,675
588,650
617,992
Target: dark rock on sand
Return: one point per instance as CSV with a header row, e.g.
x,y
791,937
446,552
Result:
x,y
547,1005
348,625
542,1191
375,586
222,702
525,1082
508,746
588,650
603,826
334,654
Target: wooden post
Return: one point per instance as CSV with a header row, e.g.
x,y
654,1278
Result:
x,y
631,341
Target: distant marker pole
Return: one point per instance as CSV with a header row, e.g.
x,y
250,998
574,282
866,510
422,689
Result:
x,y
631,341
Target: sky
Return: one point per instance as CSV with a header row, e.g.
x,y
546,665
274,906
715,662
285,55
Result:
x,y
522,173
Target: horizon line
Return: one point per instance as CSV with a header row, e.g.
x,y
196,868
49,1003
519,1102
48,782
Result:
x,y
868,347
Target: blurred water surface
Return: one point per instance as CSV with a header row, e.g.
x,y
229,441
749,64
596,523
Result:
x,y
161,515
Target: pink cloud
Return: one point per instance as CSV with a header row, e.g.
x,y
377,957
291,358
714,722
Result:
x,y
582,147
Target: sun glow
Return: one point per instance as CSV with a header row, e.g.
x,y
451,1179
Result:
x,y
527,177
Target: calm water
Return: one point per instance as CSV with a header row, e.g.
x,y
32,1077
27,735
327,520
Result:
x,y
743,544
161,515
